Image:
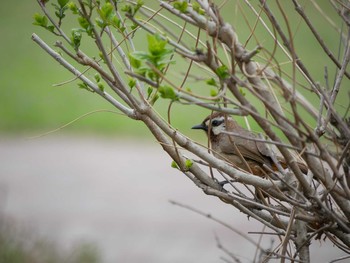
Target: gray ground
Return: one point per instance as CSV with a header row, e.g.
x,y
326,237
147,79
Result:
x,y
115,193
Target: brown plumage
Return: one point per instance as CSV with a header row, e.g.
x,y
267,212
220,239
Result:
x,y
250,155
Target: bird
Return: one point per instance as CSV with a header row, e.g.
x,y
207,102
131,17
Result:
x,y
245,151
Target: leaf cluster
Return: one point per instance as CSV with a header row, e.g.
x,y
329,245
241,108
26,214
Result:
x,y
41,20
152,65
108,17
148,64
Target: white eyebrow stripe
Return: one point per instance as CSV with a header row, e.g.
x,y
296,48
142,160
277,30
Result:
x,y
221,119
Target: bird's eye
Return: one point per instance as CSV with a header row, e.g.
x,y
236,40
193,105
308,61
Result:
x,y
215,123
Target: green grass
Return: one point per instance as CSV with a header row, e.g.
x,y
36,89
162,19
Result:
x,y
30,104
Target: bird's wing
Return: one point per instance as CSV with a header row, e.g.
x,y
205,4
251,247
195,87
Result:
x,y
268,150
249,149
272,149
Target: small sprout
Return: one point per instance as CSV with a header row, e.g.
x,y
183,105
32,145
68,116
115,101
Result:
x,y
213,92
131,83
127,9
132,9
174,165
76,38
100,54
73,7
139,4
83,85
97,77
134,26
61,9
196,7
50,28
222,72
188,163
188,90
181,6
101,87
242,91
212,82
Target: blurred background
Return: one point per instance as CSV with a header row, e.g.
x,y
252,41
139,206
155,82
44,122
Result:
x,y
99,189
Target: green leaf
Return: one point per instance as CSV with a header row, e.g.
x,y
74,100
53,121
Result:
x,y
61,8
132,9
135,63
127,9
174,165
196,7
212,82
101,87
156,45
188,163
222,72
62,3
181,6
83,22
152,75
60,14
106,11
73,7
50,28
115,22
131,83
242,91
142,71
97,77
134,26
140,55
83,85
167,92
100,22
40,20
139,4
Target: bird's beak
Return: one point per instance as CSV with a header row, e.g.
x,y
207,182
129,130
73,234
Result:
x,y
200,127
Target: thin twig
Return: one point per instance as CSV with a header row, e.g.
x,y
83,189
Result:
x,y
129,112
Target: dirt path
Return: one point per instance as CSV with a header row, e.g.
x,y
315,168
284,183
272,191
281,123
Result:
x,y
116,193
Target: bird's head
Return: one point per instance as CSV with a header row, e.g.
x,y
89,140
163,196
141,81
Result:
x,y
214,124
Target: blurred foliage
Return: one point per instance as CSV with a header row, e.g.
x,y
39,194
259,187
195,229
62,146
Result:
x,y
22,245
30,103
